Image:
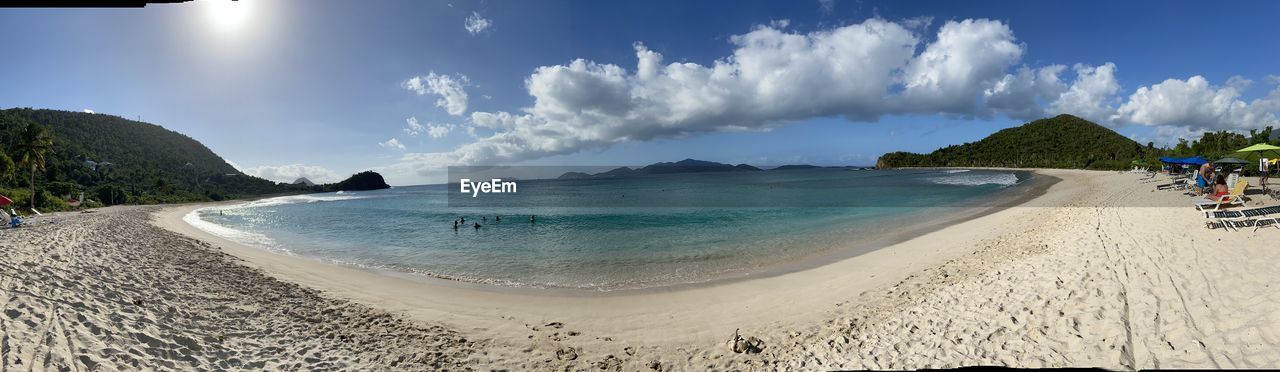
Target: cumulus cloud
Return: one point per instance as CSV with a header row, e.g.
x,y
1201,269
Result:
x,y
1091,95
413,128
88,111
437,131
1195,103
453,97
291,172
1021,95
393,144
431,129
952,71
476,24
773,77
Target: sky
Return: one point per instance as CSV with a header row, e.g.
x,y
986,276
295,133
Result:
x,y
324,88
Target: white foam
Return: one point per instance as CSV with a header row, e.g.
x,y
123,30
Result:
x,y
298,199
238,236
962,179
957,170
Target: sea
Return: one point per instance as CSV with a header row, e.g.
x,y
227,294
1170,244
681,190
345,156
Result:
x,y
674,230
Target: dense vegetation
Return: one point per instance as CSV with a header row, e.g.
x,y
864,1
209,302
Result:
x,y
1067,141
51,156
367,180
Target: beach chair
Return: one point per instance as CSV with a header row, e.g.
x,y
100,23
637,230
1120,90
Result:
x,y
1235,197
1177,184
1256,217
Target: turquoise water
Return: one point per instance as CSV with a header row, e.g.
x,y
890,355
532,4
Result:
x,y
648,242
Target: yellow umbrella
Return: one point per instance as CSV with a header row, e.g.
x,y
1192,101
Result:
x,y
1257,150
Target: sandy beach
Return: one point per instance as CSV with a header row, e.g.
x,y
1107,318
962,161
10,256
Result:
x,y
1100,271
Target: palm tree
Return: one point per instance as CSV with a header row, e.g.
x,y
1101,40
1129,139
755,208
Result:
x,y
35,141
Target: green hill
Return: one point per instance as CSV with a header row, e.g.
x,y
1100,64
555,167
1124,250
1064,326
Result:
x,y
1063,141
114,160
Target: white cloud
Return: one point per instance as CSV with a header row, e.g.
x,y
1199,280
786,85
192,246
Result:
x,y
954,70
88,111
393,144
413,127
290,173
437,131
453,97
1196,104
774,77
1021,95
476,24
431,129
1092,94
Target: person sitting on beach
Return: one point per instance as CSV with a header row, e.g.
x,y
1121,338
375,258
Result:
x,y
15,221
1220,187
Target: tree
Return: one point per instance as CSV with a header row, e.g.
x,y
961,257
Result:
x,y
32,146
6,168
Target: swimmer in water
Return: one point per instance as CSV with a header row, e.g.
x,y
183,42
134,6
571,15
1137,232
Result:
x,y
477,226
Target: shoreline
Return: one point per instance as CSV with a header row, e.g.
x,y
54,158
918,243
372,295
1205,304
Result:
x,y
1099,271
852,245
713,311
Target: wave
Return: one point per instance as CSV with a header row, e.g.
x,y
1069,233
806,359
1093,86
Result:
x,y
299,199
238,236
956,171
962,179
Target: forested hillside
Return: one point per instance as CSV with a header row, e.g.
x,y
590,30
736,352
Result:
x,y
114,160
1063,141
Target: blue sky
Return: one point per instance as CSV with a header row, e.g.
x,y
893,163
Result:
x,y
320,88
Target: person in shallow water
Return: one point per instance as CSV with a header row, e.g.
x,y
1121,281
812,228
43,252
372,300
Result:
x,y
532,220
455,224
497,218
477,226
464,220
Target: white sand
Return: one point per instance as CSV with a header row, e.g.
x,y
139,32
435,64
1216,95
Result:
x,y
1081,276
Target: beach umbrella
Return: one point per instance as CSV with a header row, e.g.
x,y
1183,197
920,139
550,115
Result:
x,y
1258,150
1194,160
5,201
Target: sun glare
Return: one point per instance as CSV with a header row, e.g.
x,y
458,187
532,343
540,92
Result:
x,y
226,15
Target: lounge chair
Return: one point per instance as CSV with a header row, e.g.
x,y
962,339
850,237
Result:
x,y
1177,184
1236,197
1234,220
1243,213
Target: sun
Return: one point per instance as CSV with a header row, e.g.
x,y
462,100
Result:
x,y
227,16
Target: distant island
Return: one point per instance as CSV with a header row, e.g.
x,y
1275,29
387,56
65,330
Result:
x,y
685,166
363,181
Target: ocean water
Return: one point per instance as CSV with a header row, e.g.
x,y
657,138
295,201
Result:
x,y
672,230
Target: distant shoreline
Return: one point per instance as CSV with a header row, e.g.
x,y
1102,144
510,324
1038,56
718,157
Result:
x,y
851,245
